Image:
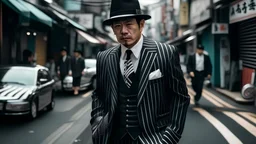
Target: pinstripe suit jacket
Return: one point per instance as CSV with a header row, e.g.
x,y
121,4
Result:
x,y
162,103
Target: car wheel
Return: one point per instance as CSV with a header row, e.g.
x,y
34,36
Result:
x,y
52,104
33,110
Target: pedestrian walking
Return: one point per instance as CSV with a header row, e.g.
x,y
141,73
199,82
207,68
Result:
x,y
199,67
77,67
64,66
141,95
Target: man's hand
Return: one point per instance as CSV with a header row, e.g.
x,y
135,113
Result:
x,y
192,74
83,72
58,72
70,73
209,76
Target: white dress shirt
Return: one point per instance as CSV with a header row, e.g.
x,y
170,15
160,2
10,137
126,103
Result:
x,y
64,58
199,62
135,56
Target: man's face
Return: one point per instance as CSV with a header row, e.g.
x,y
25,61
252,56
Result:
x,y
63,53
76,54
31,58
200,51
127,31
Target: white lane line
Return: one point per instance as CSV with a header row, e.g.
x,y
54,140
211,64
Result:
x,y
65,127
60,131
220,100
249,116
245,124
225,132
87,94
81,112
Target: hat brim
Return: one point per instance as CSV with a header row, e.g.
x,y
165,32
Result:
x,y
110,20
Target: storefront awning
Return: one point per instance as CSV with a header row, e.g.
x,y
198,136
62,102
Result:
x,y
101,39
203,27
88,37
29,11
70,21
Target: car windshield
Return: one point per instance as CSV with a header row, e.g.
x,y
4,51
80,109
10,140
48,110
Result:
x,y
17,76
90,63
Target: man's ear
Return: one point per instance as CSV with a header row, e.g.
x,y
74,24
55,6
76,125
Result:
x,y
142,24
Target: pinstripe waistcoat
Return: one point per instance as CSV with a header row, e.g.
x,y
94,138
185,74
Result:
x,y
162,103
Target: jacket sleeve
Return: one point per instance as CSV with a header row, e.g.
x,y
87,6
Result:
x,y
97,103
82,64
189,64
179,100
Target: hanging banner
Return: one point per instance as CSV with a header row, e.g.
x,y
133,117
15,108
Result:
x,y
241,10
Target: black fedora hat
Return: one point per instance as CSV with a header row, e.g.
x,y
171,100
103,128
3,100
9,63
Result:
x,y
64,49
201,47
125,8
78,50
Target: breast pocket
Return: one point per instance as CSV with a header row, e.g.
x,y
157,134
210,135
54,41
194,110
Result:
x,y
156,81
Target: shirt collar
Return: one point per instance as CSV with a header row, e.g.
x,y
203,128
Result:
x,y
136,49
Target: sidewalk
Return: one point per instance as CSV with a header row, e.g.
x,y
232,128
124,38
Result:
x,y
235,96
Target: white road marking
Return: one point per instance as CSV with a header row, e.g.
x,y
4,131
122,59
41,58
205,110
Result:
x,y
60,131
225,132
87,94
245,124
81,112
65,127
220,100
249,116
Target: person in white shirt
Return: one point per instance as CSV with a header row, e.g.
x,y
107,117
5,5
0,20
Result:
x,y
198,67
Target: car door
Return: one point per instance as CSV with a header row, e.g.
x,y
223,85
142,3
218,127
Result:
x,y
45,88
87,77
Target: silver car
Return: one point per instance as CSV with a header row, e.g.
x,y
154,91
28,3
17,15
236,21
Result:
x,y
87,81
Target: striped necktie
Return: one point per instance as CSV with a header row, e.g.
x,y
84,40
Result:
x,y
128,69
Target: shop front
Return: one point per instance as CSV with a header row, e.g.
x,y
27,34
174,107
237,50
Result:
x,y
243,24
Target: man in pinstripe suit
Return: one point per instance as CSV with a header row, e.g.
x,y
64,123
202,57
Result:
x,y
141,95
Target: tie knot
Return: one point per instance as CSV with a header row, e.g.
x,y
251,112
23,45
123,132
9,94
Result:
x,y
128,52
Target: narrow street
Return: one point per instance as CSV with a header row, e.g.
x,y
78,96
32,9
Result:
x,y
217,120
69,118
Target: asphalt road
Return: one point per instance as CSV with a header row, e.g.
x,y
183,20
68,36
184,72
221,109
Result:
x,y
217,120
67,121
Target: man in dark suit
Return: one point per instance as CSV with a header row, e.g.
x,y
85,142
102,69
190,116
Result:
x,y
77,67
141,95
198,67
64,66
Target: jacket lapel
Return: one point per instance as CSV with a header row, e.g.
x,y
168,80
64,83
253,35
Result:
x,y
148,55
113,66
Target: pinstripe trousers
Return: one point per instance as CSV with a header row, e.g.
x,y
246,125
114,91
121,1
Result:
x,y
125,140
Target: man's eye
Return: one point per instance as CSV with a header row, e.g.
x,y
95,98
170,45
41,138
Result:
x,y
116,26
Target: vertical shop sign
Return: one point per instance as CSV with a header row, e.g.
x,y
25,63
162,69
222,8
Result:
x,y
224,61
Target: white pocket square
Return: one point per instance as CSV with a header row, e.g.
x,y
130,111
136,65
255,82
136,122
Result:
x,y
155,74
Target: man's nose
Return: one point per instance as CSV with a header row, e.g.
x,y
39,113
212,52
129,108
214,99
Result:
x,y
124,29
